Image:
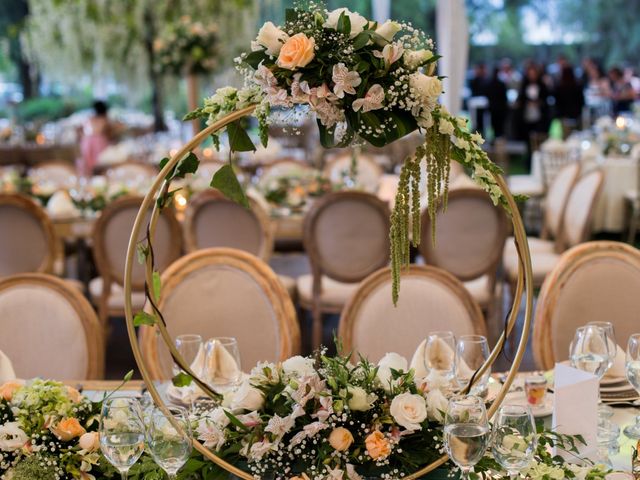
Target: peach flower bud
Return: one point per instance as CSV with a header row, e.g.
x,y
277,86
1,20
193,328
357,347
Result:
x,y
74,395
89,441
68,428
377,445
8,389
340,439
302,476
297,51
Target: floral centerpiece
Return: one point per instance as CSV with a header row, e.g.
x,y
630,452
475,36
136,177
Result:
x,y
187,47
294,191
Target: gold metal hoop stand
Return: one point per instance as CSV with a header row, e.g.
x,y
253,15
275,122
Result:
x,y
524,285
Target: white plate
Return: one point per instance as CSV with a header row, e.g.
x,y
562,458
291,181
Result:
x,y
519,398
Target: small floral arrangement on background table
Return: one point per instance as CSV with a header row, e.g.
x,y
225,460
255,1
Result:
x,y
295,191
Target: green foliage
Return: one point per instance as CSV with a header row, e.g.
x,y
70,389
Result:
x,y
182,380
45,109
143,318
226,181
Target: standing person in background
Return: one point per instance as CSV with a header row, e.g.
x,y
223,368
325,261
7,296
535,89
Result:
x,y
97,134
622,94
533,108
510,76
498,105
569,96
478,86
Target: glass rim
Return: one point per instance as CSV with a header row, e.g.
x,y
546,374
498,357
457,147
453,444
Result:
x,y
522,410
474,398
189,337
443,333
224,341
473,338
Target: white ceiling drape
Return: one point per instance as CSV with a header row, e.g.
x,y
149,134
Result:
x,y
452,27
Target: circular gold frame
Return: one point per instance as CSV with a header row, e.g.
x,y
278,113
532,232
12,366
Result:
x,y
524,284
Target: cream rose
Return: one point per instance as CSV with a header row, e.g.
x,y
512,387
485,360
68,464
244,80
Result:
x,y
272,38
74,395
436,405
387,31
9,388
247,398
89,441
297,51
340,439
299,365
68,428
386,364
415,58
12,437
360,400
358,22
426,88
409,410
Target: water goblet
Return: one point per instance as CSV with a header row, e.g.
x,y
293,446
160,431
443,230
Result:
x,y
222,363
466,432
188,346
440,354
170,443
122,433
632,369
514,438
472,351
589,350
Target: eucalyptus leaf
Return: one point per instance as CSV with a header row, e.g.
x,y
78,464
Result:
x,y
226,181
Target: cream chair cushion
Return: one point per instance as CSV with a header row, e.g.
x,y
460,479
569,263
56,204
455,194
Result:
x,y
480,290
334,294
116,299
541,263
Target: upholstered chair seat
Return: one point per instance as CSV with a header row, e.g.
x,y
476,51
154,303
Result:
x,y
116,298
333,296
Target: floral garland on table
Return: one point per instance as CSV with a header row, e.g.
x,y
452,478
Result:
x,y
362,81
187,47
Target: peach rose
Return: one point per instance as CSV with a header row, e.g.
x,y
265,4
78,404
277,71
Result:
x,y
68,428
297,52
377,445
302,476
89,441
9,388
340,439
74,395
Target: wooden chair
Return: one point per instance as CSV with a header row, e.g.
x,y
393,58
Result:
x,y
49,330
368,172
575,229
470,238
430,299
110,241
28,241
224,292
555,156
594,281
58,172
346,235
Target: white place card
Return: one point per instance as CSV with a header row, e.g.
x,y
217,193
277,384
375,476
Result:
x,y
575,407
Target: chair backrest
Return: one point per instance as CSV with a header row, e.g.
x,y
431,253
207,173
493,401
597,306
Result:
x,y
49,329
212,220
367,174
595,281
470,237
346,235
127,171
576,225
57,172
430,299
555,202
111,238
554,157
28,240
282,168
224,292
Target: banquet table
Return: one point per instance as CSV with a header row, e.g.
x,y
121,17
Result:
x,y
94,389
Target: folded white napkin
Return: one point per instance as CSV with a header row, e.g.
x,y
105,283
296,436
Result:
x,y
618,367
439,354
220,368
60,204
6,369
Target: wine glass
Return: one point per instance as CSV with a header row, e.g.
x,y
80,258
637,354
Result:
x,y
472,351
514,438
589,350
439,354
121,432
466,432
188,346
611,336
169,446
222,363
632,368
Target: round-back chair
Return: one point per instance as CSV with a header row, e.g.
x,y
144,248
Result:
x,y
224,292
59,173
368,172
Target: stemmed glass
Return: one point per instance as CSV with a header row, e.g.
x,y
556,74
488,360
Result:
x,y
632,369
466,431
222,369
472,351
440,354
611,337
514,438
122,433
169,446
589,350
188,346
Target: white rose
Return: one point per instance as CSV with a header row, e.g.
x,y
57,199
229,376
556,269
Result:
x,y
409,410
436,405
12,437
89,441
247,398
360,400
387,31
415,58
272,38
388,362
427,88
358,22
299,365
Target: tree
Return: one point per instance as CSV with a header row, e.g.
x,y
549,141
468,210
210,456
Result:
x,y
13,14
114,39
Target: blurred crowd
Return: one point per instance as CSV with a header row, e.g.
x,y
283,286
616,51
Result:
x,y
515,103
